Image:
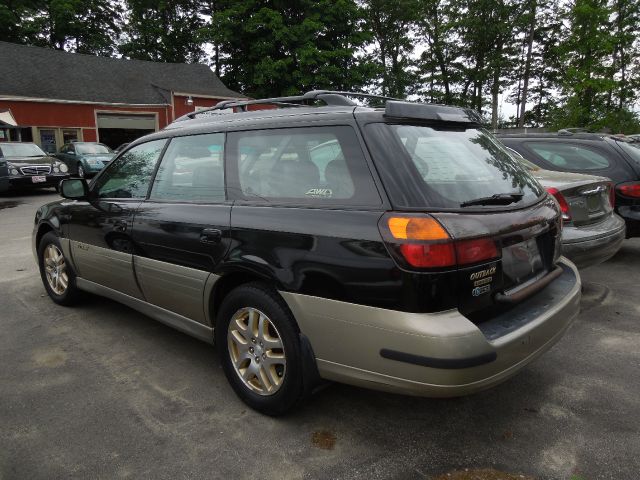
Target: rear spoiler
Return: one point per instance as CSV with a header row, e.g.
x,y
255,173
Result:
x,y
425,111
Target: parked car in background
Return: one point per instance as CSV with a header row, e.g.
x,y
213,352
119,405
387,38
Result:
x,y
591,232
593,154
85,159
26,165
397,248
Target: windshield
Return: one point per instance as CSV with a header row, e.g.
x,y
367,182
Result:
x,y
91,148
633,150
21,150
448,167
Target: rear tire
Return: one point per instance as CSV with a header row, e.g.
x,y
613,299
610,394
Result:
x,y
259,346
57,276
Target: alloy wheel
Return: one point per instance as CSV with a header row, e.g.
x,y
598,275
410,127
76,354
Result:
x,y
256,350
55,269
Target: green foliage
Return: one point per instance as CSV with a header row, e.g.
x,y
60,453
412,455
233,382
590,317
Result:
x,y
282,47
84,26
163,30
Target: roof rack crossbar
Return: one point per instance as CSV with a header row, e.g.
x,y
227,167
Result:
x,y
330,97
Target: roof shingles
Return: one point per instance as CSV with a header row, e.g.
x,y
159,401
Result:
x,y
37,72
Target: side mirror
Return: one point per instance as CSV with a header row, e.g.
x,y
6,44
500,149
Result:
x,y
74,188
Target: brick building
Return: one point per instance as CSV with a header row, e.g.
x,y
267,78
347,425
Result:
x,y
51,97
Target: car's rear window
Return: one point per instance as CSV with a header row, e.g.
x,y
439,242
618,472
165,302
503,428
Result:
x,y
446,166
633,150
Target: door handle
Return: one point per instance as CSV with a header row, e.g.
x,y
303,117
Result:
x,y
211,235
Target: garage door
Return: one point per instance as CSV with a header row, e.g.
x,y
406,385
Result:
x,y
115,129
136,122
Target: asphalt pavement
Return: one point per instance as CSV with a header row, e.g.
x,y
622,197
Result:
x,y
101,391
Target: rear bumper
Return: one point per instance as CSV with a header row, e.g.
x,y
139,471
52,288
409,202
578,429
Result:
x,y
631,215
440,355
590,245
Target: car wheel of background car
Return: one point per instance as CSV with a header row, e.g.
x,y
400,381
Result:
x,y
259,346
80,171
57,277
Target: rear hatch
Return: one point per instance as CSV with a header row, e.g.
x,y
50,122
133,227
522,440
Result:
x,y
465,213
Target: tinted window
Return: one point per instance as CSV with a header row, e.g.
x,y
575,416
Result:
x,y
446,166
320,165
129,175
632,149
569,156
191,170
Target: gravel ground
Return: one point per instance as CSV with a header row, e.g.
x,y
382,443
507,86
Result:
x,y
101,391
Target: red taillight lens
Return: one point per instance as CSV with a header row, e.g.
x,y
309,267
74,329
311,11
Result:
x,y
629,189
474,251
424,243
564,206
433,255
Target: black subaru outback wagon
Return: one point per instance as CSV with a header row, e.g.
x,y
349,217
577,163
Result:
x,y
396,248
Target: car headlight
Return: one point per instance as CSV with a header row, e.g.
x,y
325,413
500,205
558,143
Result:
x,y
60,167
13,170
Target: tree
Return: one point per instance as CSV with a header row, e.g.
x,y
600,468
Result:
x,y
163,30
83,26
439,65
586,51
392,25
280,47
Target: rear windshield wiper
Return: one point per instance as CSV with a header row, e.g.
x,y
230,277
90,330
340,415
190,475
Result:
x,y
497,199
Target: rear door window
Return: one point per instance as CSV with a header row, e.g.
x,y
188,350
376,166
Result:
x,y
191,170
568,156
319,165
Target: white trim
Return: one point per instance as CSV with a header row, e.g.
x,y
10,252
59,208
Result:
x,y
197,95
83,102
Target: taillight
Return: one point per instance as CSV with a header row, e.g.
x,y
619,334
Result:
x,y
631,189
564,206
612,195
424,243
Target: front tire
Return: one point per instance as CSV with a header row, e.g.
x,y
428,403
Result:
x,y
259,347
81,172
57,276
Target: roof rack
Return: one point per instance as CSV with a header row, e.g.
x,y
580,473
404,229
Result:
x,y
329,97
394,107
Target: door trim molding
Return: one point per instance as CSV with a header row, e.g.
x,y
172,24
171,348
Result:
x,y
185,325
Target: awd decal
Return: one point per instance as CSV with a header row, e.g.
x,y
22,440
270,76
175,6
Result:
x,y
320,192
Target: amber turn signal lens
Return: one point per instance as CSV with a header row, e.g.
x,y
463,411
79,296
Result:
x,y
416,228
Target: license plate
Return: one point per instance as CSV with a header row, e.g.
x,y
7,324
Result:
x,y
38,179
593,202
522,261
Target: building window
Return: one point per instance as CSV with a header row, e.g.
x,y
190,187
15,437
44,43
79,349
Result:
x,y
48,140
69,135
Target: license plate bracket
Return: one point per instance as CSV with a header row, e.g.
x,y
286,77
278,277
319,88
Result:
x,y
522,261
38,179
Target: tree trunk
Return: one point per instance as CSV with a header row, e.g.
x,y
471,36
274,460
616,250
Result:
x,y
527,67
